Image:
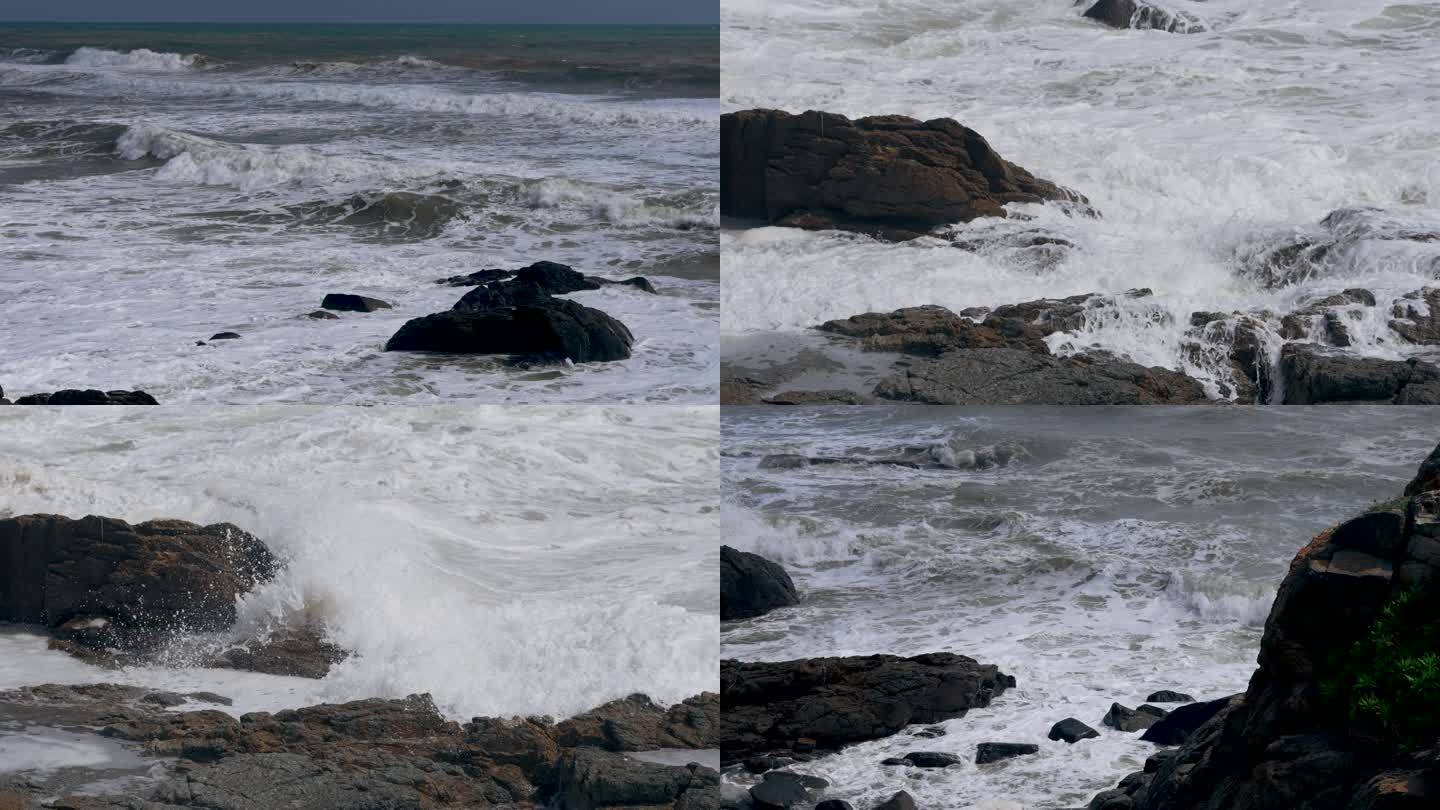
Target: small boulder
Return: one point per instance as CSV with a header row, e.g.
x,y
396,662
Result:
x,y
550,328
476,278
322,315
1141,14
900,801
1168,696
1072,731
1179,724
931,759
1122,718
345,302
780,790
988,752
833,804
751,585
225,336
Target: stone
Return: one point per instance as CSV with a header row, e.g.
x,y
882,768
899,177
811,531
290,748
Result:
x,y
90,396
1122,718
1169,696
298,653
322,315
549,328
892,176
900,801
1072,731
225,336
1143,14
773,706
931,759
1311,375
988,752
345,302
1019,377
834,804
751,585
1177,726
779,790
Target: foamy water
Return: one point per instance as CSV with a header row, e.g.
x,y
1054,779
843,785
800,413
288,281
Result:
x,y
1198,150
506,559
1117,552
150,198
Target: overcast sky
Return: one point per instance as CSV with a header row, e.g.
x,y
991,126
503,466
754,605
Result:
x,y
480,11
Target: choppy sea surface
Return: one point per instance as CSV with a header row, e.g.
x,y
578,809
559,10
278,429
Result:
x,y
1096,554
1202,152
506,559
162,183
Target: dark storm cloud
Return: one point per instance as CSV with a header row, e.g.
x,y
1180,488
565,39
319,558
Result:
x,y
480,11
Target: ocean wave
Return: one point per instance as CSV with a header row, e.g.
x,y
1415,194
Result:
x,y
688,212
138,59
386,214
30,56
399,64
52,139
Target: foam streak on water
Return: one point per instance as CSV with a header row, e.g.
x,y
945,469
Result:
x,y
1113,553
149,198
504,559
1196,148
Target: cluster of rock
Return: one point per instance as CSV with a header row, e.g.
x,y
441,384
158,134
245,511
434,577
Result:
x,y
88,396
890,176
517,313
1142,14
379,754
1294,738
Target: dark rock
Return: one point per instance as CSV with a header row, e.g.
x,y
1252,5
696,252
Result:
x,y
988,752
1122,718
592,779
892,176
770,706
817,398
225,336
476,278
143,582
1175,727
931,759
1417,317
549,328
780,789
636,723
1312,376
1072,731
1017,377
165,699
1142,14
894,761
71,396
344,302
833,804
764,763
1168,696
751,585
900,801
930,732
638,282
322,315
1111,800
300,653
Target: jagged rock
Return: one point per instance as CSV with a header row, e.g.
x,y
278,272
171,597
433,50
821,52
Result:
x,y
1302,735
593,779
1177,726
225,336
300,653
900,801
1169,696
345,302
636,723
138,583
550,328
1072,731
1143,14
1122,718
1311,375
772,706
751,585
1417,317
1016,377
476,278
322,315
72,396
988,752
892,176
1299,258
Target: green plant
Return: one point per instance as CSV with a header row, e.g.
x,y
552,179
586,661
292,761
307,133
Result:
x,y
1389,681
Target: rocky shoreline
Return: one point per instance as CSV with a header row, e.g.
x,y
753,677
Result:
x,y
115,594
1340,715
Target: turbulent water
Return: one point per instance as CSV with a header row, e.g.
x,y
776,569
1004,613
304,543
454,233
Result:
x,y
505,559
1096,554
1201,151
160,184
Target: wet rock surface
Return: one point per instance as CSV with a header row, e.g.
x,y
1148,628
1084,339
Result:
x,y
751,585
346,302
88,396
517,314
363,754
824,703
1312,375
1143,15
889,176
1313,729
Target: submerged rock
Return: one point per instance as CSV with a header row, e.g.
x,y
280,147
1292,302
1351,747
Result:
x,y
1072,731
1143,14
988,752
1123,718
89,396
777,706
891,176
1017,377
1315,251
1334,716
751,585
345,302
300,653
1169,696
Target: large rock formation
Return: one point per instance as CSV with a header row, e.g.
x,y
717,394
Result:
x,y
518,314
380,754
890,175
825,703
1312,375
751,585
1343,712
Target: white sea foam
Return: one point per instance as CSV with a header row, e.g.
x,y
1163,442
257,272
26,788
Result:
x,y
506,560
138,59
